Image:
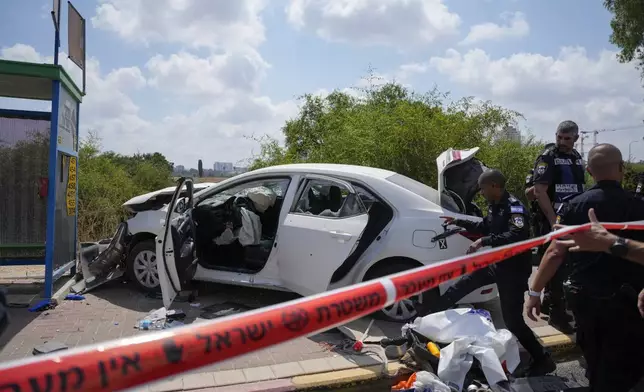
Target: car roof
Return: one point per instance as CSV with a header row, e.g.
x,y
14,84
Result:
x,y
331,168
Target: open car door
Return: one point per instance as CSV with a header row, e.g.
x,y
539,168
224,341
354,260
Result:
x,y
314,243
458,174
176,251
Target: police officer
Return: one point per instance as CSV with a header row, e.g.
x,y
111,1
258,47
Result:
x,y
505,223
558,173
538,219
603,286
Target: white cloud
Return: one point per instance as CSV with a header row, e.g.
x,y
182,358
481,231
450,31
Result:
x,y
187,74
515,26
595,91
228,108
107,106
374,22
196,23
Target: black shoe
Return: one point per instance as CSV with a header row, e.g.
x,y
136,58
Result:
x,y
562,324
543,366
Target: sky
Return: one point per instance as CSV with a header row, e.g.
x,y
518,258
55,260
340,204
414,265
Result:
x,y
203,79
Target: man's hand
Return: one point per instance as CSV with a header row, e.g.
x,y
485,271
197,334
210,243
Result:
x,y
448,219
597,239
476,245
640,302
533,308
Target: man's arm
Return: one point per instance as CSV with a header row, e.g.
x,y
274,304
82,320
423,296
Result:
x,y
518,230
552,259
635,252
530,193
472,227
543,176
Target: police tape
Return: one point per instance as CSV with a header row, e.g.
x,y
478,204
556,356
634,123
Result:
x,y
131,362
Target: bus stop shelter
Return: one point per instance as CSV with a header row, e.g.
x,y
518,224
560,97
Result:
x,y
38,170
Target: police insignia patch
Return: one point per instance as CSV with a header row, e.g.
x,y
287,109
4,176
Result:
x,y
541,167
517,220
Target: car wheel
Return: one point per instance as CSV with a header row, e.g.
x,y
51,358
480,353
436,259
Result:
x,y
142,266
405,310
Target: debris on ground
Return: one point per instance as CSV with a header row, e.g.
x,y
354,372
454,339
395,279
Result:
x,y
156,319
49,347
45,304
467,334
174,324
223,309
74,297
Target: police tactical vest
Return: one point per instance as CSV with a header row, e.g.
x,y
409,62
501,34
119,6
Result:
x,y
569,176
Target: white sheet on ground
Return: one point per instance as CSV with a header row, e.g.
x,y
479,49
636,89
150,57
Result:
x,y
470,334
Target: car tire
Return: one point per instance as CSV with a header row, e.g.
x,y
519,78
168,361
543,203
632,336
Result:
x,y
140,263
394,266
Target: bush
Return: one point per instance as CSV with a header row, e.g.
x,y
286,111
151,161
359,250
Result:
x,y
107,180
391,127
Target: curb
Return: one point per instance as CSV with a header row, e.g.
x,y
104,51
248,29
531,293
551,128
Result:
x,y
559,343
346,377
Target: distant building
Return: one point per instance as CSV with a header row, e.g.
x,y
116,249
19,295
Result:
x,y
223,167
240,169
511,133
179,168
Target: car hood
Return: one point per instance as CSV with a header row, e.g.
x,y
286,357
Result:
x,y
147,201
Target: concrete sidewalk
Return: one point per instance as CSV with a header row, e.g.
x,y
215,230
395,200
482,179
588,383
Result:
x,y
112,311
301,375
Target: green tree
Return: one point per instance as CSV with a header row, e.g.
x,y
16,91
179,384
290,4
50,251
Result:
x,y
200,168
388,126
628,29
106,180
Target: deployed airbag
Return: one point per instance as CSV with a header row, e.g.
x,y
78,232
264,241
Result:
x,y
262,197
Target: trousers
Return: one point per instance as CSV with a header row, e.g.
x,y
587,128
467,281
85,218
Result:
x,y
512,289
610,333
553,292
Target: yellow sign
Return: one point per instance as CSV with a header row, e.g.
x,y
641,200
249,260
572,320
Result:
x,y
71,187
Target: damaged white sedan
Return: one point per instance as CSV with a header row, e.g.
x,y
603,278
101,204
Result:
x,y
306,228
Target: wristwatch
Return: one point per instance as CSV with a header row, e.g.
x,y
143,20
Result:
x,y
533,293
619,247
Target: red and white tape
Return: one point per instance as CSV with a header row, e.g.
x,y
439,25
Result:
x,y
131,362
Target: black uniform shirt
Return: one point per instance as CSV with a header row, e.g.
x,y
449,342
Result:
x,y
601,272
507,222
563,173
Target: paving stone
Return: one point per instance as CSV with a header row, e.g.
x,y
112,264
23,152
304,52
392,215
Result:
x,y
229,377
341,363
261,373
318,365
288,369
175,384
366,360
199,380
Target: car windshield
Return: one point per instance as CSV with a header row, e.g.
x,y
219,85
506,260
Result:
x,y
422,190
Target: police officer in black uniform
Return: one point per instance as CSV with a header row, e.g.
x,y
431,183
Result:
x,y
538,219
558,173
603,286
507,222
